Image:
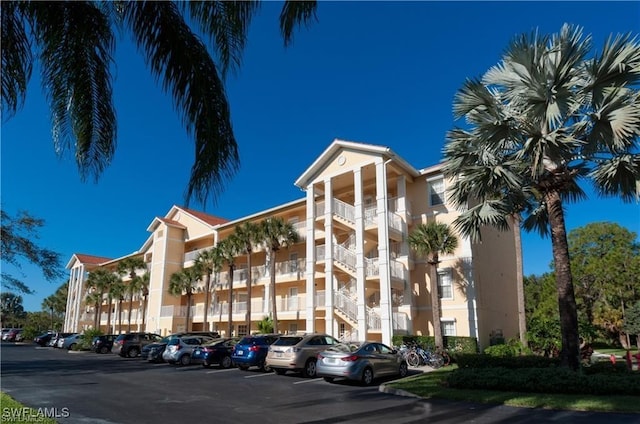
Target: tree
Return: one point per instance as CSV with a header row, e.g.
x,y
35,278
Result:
x,y
539,123
56,304
248,235
11,309
632,322
184,281
605,263
228,249
208,262
276,233
119,292
431,240
17,237
142,282
128,267
75,44
98,283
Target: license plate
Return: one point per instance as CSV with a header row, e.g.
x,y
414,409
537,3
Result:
x,y
278,354
240,352
331,360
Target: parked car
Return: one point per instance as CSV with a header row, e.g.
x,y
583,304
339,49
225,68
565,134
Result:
x,y
56,339
71,341
298,353
251,351
104,343
11,334
131,344
43,339
153,351
360,361
218,351
19,336
180,349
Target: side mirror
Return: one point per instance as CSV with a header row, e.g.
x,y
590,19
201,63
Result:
x,y
394,352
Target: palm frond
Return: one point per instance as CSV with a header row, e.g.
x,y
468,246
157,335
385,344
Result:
x,y
181,61
295,13
227,24
618,176
77,47
16,58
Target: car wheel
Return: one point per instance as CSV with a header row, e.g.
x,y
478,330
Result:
x,y
185,360
309,369
226,362
104,349
280,371
133,352
403,370
328,379
264,367
72,346
367,376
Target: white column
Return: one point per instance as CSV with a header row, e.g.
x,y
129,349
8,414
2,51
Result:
x,y
310,304
360,265
328,255
383,252
401,187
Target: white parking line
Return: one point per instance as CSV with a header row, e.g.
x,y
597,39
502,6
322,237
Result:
x,y
217,371
313,380
266,374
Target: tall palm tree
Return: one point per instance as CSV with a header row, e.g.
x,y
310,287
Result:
x,y
75,45
228,250
544,120
208,262
184,281
128,267
276,234
95,298
248,235
99,281
142,283
431,240
119,292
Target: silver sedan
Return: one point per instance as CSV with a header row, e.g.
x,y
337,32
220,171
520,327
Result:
x,y
363,361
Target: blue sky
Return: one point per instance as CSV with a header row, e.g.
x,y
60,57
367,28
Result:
x,y
377,72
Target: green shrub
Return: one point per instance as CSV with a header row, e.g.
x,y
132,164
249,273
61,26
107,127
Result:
x,y
544,380
84,343
511,362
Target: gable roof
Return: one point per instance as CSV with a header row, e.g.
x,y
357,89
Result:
x,y
337,145
208,219
87,259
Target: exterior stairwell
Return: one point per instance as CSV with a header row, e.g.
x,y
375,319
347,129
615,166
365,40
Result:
x,y
346,307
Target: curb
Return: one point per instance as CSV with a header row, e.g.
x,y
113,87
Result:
x,y
383,388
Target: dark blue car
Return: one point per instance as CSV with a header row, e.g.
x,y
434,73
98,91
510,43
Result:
x,y
251,351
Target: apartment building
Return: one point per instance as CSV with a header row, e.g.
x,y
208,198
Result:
x,y
351,275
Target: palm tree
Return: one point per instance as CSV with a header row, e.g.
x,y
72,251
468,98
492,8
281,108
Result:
x,y
119,292
128,267
276,234
99,281
184,281
142,282
248,235
431,240
208,262
228,250
541,122
75,45
95,298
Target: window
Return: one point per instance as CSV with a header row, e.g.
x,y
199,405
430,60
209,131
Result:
x,y
293,328
436,191
242,330
448,327
445,284
293,263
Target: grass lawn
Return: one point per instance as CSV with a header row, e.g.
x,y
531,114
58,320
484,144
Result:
x,y
430,385
15,412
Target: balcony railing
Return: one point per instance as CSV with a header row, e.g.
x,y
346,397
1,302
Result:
x,y
193,255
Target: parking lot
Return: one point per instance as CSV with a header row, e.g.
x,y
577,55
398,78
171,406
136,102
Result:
x,y
111,389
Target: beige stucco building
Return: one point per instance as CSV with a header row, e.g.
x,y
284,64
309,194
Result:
x,y
352,274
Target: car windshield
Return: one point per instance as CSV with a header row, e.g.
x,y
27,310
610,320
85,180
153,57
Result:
x,y
174,341
287,341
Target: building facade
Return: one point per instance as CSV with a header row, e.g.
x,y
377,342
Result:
x,y
352,274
